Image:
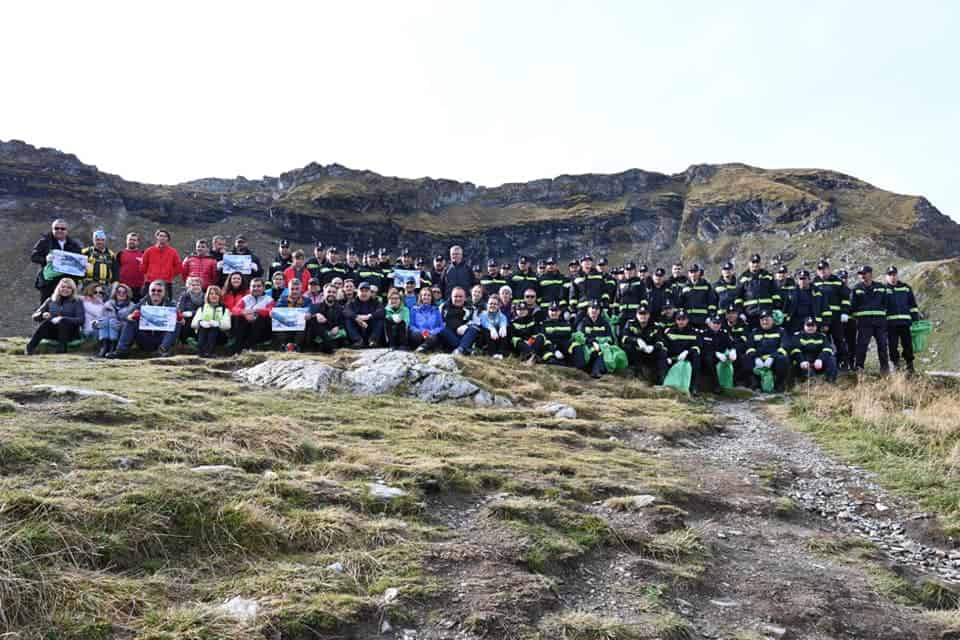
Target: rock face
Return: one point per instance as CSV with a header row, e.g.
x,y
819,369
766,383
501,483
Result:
x,y
376,372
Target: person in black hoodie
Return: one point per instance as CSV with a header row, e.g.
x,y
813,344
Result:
x,y
42,255
60,317
364,318
326,321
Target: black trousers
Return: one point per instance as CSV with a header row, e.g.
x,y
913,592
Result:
x,y
63,332
837,331
850,335
208,338
250,334
900,333
876,330
395,334
693,358
643,363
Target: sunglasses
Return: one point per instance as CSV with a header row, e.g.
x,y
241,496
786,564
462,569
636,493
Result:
x,y
526,296
99,292
59,228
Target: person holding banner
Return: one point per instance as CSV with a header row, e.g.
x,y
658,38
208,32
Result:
x,y
161,262
42,254
286,338
60,317
241,259
153,324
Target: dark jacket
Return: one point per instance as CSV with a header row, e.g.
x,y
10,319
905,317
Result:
x,y
593,330
587,287
803,303
767,343
332,312
809,347
726,291
553,287
634,331
455,317
457,275
699,300
756,292
358,307
836,295
558,334
521,281
675,340
70,309
869,304
42,249
901,305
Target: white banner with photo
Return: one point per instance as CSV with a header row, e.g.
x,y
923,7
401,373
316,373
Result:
x,y
400,277
237,264
71,264
156,318
288,318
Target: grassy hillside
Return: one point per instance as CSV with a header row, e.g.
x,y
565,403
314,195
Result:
x,y
108,533
937,286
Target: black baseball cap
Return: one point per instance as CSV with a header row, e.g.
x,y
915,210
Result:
x,y
318,244
630,266
420,261
404,252
332,250
755,258
643,309
681,314
541,263
520,305
803,275
410,281
728,266
240,238
491,262
314,281
660,272
865,269
585,257
439,257
842,274
783,269
713,319
695,268
351,251
363,285
667,305
732,309
550,261
383,252
573,263
476,267
765,314
602,261
823,264
554,306
594,304
643,268
522,259
284,243
891,270
810,320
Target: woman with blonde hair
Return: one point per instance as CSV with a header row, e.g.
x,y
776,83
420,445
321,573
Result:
x,y
94,299
115,313
211,322
60,317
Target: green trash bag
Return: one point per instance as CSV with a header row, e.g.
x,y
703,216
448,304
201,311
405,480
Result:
x,y
919,333
679,376
725,374
777,317
614,358
766,378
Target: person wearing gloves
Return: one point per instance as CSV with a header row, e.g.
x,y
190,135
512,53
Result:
x,y
211,322
902,311
557,331
639,340
834,310
525,333
678,343
364,318
148,340
426,323
738,331
115,313
716,346
801,302
396,319
594,328
491,326
812,353
60,317
767,349
190,301
756,292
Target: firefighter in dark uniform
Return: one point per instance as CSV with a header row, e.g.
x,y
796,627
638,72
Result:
x,y
352,265
609,283
658,294
588,287
767,347
785,284
677,281
331,267
667,316
715,347
868,305
756,291
812,353
557,330
491,280
726,286
680,342
313,264
369,271
902,311
552,287
802,301
849,327
639,339
738,331
282,260
835,312
697,297
631,292
386,269
525,335
593,326
525,278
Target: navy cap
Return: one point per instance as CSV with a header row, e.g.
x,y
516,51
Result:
x,y
314,281
842,274
351,251
284,243
602,261
523,259
891,270
660,272
410,281
363,285
783,269
586,256
477,267
765,314
491,262
667,305
865,269
420,261
823,264
755,257
594,304
439,257
732,309
541,263
713,319
643,309
318,244
332,250
573,263
643,268
803,275
507,266
551,261
630,266
728,266
554,306
695,268
810,321
681,315
383,251
404,252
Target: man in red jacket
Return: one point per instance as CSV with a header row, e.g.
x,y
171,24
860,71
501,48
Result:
x,y
161,262
129,259
202,265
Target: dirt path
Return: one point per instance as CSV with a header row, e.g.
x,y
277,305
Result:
x,y
804,546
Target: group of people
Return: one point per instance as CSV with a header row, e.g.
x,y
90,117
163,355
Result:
x,y
797,325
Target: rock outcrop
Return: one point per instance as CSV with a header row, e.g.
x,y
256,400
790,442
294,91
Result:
x,y
376,372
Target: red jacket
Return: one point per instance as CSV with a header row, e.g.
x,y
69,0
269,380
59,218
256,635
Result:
x,y
161,264
130,272
261,306
290,273
203,266
230,300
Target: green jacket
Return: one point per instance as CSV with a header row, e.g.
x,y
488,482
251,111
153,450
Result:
x,y
219,314
403,312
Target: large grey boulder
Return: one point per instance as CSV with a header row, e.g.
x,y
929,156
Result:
x,y
440,387
293,375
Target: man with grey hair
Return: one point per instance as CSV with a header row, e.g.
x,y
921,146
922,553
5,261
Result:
x,y
162,342
457,273
42,255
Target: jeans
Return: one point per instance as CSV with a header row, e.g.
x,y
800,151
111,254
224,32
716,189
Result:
x,y
110,329
148,341
371,335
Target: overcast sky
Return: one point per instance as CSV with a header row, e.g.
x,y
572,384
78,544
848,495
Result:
x,y
489,91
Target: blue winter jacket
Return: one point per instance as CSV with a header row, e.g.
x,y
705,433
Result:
x,y
426,317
